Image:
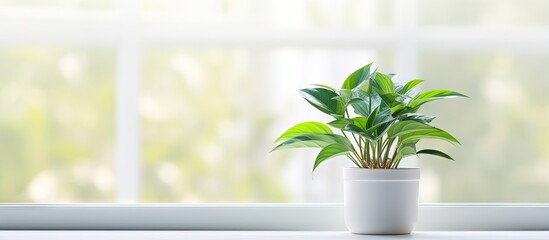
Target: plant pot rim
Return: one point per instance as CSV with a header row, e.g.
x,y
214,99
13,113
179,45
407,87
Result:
x,y
383,169
381,174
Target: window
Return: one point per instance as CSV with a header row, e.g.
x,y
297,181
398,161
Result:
x,y
180,101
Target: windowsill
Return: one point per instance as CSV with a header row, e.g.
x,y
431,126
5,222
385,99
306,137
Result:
x,y
266,217
268,235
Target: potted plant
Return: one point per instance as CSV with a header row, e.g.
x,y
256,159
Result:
x,y
379,126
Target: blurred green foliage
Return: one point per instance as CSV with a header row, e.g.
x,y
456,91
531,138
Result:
x,y
504,127
56,125
203,131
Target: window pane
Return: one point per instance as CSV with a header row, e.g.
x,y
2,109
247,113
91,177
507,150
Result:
x,y
209,114
56,125
273,13
60,4
209,118
503,128
496,13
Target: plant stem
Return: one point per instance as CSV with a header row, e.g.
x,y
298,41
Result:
x,y
346,113
353,150
389,145
383,150
366,153
360,147
393,159
353,160
354,137
371,153
379,152
356,155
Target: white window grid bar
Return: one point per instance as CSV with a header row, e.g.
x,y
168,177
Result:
x,y
128,76
107,29
127,122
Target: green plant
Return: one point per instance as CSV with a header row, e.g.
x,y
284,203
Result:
x,y
384,128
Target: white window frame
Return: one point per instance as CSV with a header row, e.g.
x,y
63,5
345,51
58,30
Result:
x,y
275,217
119,29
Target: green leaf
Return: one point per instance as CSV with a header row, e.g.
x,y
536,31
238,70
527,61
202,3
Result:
x,y
345,93
363,103
431,96
312,140
323,100
398,111
359,122
329,152
365,86
379,128
392,99
382,121
360,106
439,94
432,134
371,119
305,127
419,117
325,87
405,127
383,84
408,86
411,130
397,108
435,153
405,150
357,77
356,129
371,133
340,123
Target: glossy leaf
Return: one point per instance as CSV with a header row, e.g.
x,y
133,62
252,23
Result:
x,y
433,95
379,128
323,100
414,130
432,134
419,117
408,86
405,127
371,118
365,86
382,120
392,99
357,77
356,129
345,96
311,140
397,107
305,127
339,123
363,103
383,84
325,87
405,150
435,153
373,132
329,152
359,122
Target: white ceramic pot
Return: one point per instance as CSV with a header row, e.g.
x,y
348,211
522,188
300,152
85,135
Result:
x,y
381,201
